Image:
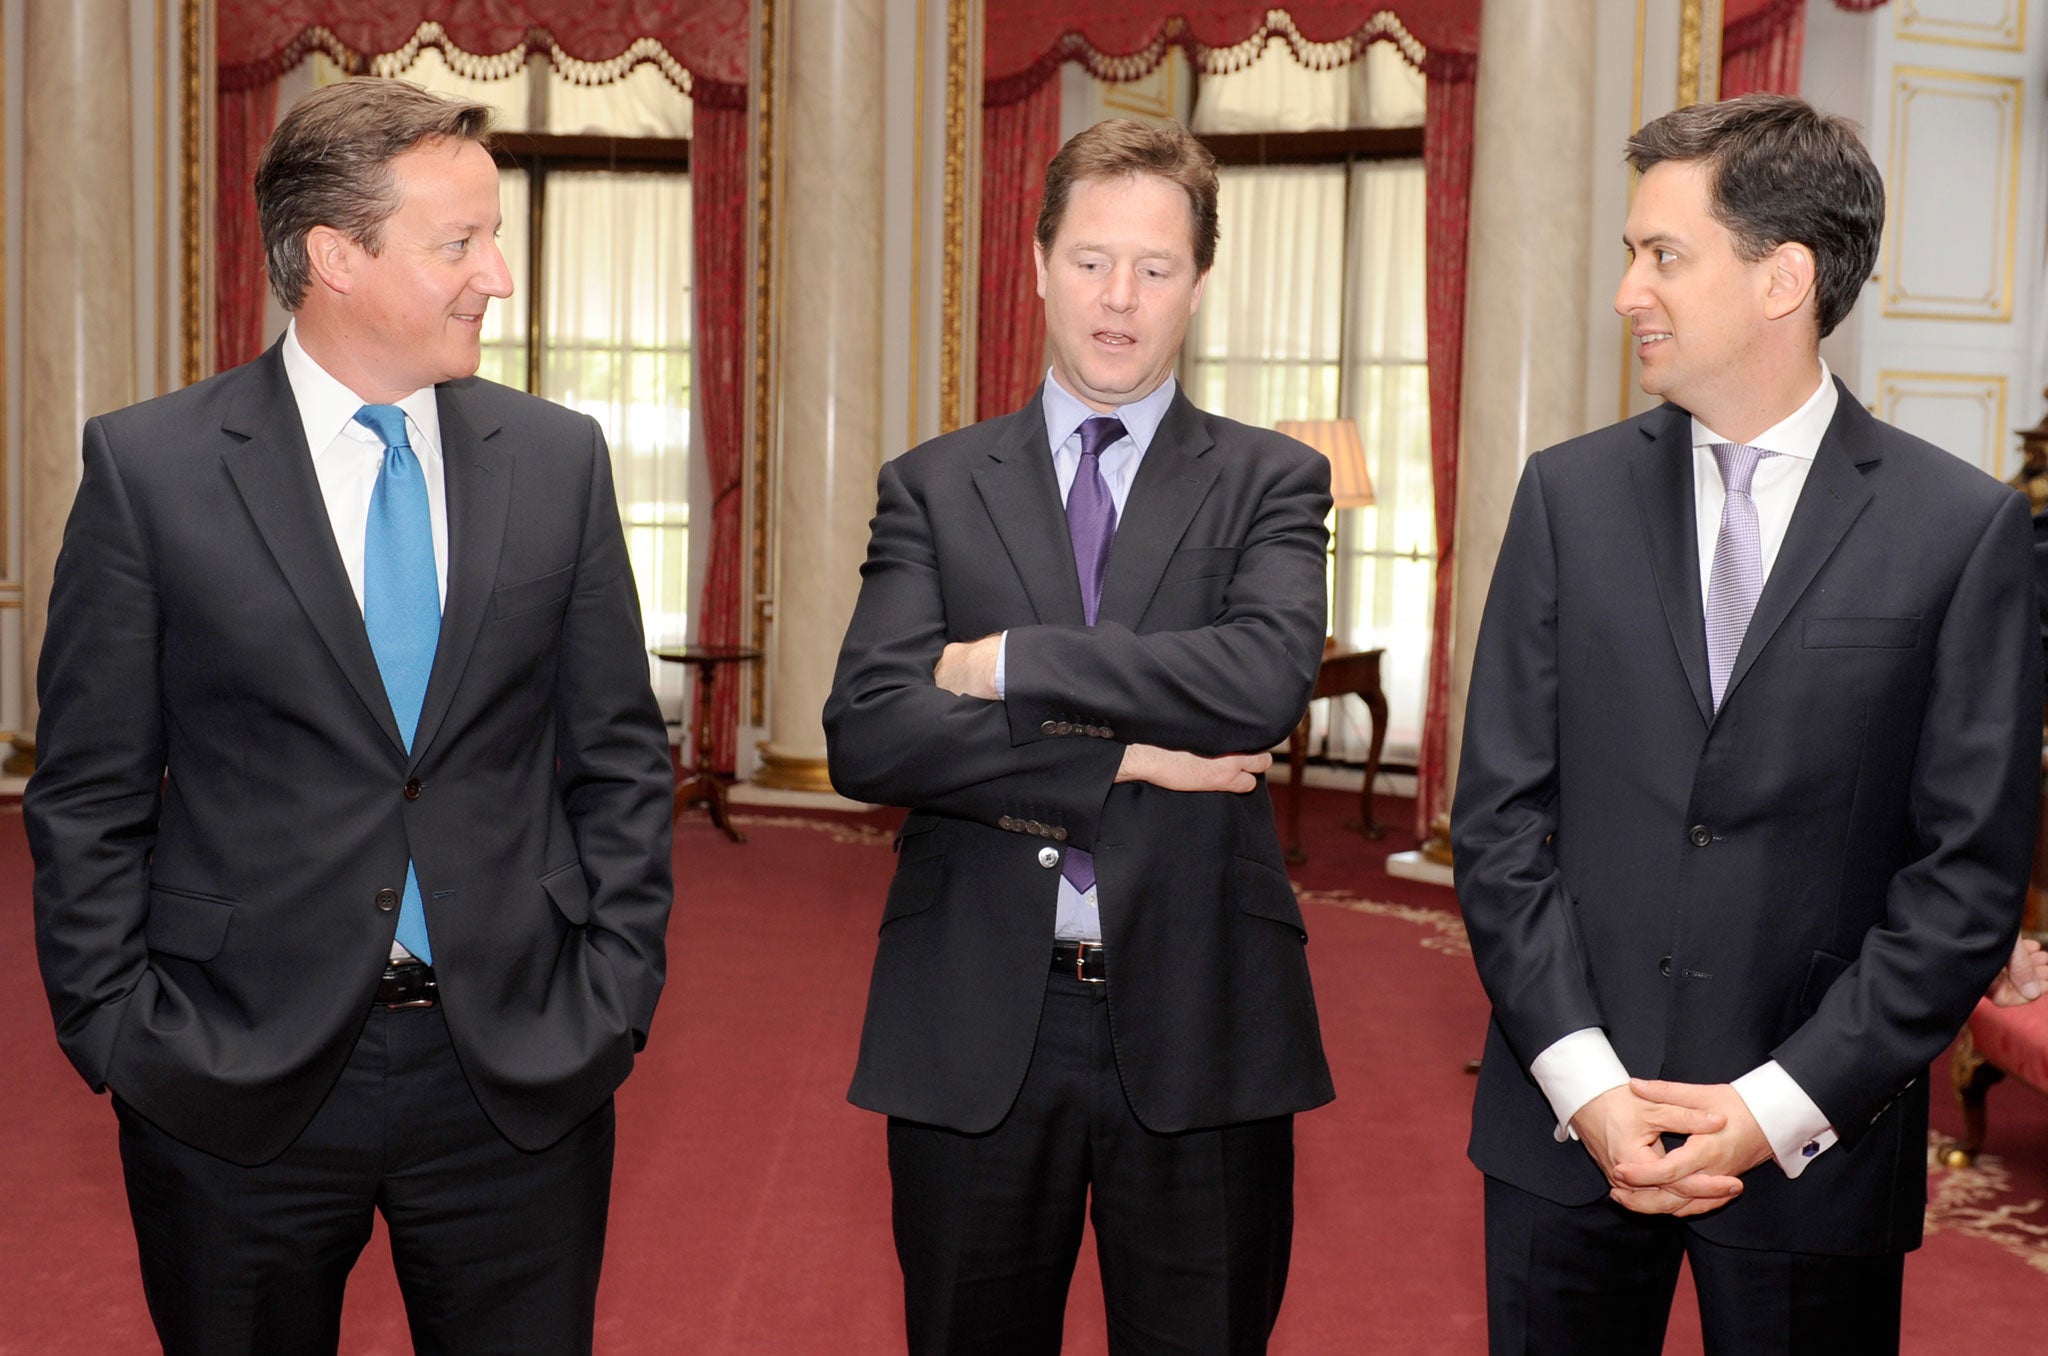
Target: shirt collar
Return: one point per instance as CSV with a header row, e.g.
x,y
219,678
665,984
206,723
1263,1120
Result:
x,y
327,408
1064,412
1798,434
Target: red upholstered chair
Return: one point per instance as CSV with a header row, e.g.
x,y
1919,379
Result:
x,y
1997,1043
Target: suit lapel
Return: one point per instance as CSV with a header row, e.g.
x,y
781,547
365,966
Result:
x,y
273,473
1663,481
1172,481
478,478
1832,498
1019,488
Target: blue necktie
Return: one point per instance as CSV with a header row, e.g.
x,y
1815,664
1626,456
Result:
x,y
401,607
1091,526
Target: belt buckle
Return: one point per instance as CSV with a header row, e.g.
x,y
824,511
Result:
x,y
1081,950
427,999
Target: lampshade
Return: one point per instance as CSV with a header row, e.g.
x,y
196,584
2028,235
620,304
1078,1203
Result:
x,y
1337,439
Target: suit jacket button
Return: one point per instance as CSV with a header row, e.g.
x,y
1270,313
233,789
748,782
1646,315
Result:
x,y
1699,835
1105,733
1006,823
412,788
1059,834
1664,967
387,900
1049,727
1063,727
1048,856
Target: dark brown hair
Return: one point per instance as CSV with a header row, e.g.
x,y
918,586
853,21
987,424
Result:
x,y
1123,148
329,164
1782,171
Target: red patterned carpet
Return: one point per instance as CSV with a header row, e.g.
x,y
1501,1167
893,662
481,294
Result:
x,y
751,1211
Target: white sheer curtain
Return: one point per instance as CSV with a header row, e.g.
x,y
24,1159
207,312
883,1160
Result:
x,y
617,316
1386,567
1315,311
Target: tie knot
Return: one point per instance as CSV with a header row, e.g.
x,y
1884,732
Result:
x,y
1738,462
1099,432
386,421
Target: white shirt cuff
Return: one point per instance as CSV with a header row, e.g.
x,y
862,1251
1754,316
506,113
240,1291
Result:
x,y
1573,1071
1797,1130
1002,657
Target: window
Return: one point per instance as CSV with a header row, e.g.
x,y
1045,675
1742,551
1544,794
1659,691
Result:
x,y
1315,310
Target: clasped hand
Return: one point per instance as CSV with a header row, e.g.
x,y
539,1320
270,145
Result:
x,y
1623,1129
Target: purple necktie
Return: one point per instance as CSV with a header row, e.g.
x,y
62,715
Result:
x,y
1091,524
1738,574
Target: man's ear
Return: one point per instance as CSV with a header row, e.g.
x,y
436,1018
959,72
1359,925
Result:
x,y
1038,261
1793,279
333,258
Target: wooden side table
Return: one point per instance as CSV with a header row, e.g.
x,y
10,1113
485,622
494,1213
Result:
x,y
1353,673
704,786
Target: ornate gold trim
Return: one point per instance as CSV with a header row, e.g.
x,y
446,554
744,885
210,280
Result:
x,y
1699,51
766,130
784,772
190,319
916,220
2011,31
1996,306
1988,389
952,339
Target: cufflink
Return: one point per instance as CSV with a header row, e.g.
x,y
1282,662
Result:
x,y
1811,1149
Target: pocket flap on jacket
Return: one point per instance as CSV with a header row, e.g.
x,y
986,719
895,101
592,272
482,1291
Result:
x,y
570,891
1199,562
532,593
192,927
1266,893
1862,633
1821,973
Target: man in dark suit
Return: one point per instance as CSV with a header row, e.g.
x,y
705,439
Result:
x,y
1079,628
351,813
1746,804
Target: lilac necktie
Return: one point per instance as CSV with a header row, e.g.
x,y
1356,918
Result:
x,y
1738,574
1091,524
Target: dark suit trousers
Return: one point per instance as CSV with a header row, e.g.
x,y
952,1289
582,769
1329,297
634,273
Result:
x,y
496,1249
1569,1279
1192,1231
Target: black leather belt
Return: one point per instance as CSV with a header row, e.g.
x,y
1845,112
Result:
x,y
405,984
1082,960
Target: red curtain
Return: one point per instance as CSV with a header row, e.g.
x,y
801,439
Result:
x,y
1028,40
706,37
720,198
1018,138
1447,169
242,125
1761,42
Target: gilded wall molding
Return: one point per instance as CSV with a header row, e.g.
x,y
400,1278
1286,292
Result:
x,y
767,237
1980,396
1699,51
1922,21
953,307
191,175
1993,139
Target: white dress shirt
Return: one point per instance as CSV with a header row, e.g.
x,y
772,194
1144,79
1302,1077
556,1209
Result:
x,y
1582,1065
1080,918
348,458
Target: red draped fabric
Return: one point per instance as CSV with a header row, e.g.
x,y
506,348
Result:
x,y
1447,169
242,125
708,38
720,199
1761,42
1027,42
1018,139
702,44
